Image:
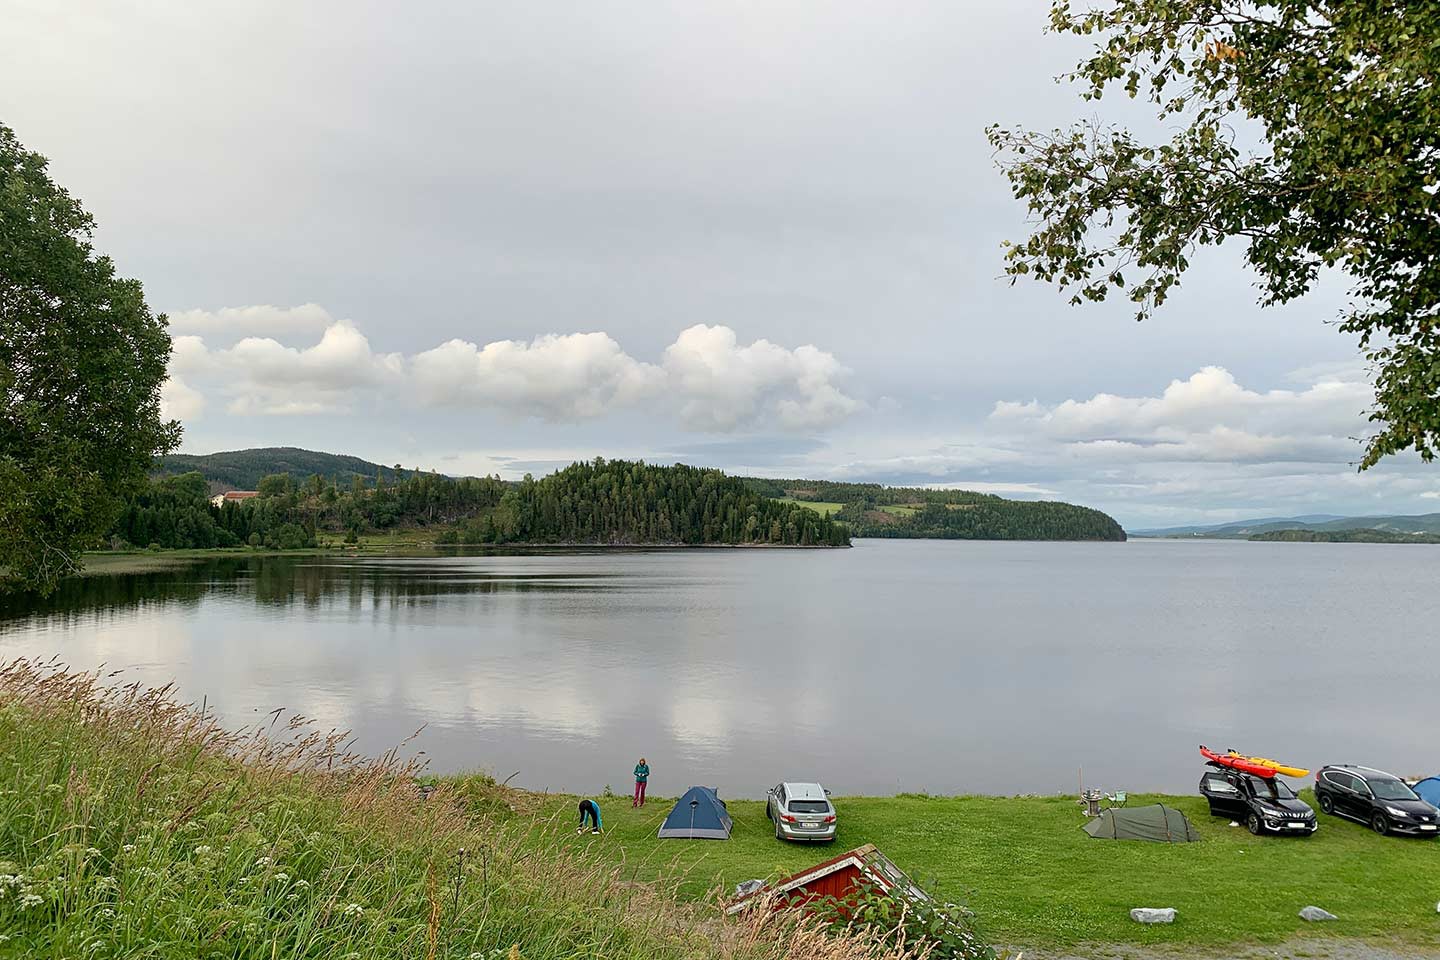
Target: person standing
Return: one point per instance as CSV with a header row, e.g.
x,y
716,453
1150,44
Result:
x,y
642,776
589,812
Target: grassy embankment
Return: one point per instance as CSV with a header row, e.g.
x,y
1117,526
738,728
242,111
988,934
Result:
x,y
101,562
1036,880
134,828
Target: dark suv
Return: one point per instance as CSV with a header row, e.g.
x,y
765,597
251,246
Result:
x,y
1263,804
1374,797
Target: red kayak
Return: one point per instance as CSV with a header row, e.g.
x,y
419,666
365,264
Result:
x,y
1243,764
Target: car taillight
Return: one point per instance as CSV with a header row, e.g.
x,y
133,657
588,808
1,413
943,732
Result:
x,y
787,818
830,819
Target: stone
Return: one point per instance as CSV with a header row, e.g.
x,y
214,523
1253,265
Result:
x,y
1153,914
1316,914
747,887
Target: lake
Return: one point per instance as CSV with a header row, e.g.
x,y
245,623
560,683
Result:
x,y
940,666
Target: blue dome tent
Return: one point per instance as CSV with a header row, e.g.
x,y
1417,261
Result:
x,y
1429,790
699,815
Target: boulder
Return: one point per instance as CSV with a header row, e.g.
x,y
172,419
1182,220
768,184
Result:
x,y
1316,914
1153,914
746,887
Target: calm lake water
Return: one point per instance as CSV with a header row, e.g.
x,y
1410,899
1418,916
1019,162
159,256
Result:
x,y
895,666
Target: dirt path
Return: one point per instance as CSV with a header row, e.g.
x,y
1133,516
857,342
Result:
x,y
1296,950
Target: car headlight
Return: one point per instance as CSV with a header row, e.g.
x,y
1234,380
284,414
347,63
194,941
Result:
x,y
1396,812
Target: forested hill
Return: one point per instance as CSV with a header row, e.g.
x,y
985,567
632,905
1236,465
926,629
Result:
x,y
599,502
242,469
630,502
874,510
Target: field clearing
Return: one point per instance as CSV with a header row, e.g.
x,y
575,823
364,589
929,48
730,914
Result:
x,y
822,507
1037,881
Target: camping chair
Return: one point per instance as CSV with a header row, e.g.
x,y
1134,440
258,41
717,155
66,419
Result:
x,y
1117,799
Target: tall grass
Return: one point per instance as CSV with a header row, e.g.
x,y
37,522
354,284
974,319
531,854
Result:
x,y
134,826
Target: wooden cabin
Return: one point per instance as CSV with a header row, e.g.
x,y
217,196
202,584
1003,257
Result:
x,y
835,878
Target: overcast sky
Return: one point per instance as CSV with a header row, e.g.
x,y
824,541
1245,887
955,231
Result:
x,y
763,236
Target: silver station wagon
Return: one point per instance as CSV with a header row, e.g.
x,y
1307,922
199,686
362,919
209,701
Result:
x,y
801,811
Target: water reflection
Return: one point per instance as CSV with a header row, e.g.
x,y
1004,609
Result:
x,y
940,666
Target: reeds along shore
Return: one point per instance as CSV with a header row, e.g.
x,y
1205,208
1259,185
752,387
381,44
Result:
x,y
132,825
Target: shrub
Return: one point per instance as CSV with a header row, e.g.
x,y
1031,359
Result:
x,y
913,919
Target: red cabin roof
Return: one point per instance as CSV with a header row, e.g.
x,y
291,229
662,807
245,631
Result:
x,y
833,878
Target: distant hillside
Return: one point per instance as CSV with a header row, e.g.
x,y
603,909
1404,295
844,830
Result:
x,y
1352,535
242,469
1246,529
875,510
612,502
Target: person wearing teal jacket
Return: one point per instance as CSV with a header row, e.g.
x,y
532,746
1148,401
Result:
x,y
642,776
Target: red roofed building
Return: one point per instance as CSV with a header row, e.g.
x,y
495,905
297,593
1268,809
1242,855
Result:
x,y
835,878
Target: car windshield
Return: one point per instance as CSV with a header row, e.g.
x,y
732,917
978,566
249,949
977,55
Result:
x,y
808,806
1271,788
1385,789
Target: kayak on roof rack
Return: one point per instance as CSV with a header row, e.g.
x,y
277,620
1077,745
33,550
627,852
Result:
x,y
1244,764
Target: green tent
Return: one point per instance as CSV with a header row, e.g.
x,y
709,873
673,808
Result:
x,y
1157,823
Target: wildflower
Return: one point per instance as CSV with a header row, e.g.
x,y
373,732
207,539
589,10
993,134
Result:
x,y
203,851
106,883
30,900
243,880
281,877
352,910
106,913
264,862
292,897
250,929
301,884
92,852
128,848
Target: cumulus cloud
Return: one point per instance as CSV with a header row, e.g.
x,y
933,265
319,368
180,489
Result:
x,y
722,385
251,321
706,378
1206,417
555,377
180,401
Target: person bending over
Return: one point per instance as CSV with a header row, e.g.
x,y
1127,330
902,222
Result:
x,y
589,813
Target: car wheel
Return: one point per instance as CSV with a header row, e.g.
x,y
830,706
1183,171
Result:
x,y
1379,824
1327,804
778,834
1252,823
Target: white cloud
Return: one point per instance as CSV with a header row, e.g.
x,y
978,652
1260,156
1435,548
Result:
x,y
554,377
721,385
706,378
1431,494
1207,417
180,401
251,321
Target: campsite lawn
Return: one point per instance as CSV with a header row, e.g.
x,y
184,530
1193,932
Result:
x,y
1037,881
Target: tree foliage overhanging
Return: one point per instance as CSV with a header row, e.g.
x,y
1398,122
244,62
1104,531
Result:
x,y
1343,98
82,361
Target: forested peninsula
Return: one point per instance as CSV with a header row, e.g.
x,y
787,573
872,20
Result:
x,y
307,498
874,510
599,502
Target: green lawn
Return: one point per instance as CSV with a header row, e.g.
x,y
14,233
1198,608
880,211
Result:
x,y
822,507
901,509
1036,880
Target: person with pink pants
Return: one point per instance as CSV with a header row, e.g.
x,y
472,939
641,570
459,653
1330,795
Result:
x,y
642,776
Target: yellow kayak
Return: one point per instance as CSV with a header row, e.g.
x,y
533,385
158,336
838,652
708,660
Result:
x,y
1275,765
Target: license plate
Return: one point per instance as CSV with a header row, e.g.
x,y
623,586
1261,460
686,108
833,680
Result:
x,y
1427,826
812,825
1297,825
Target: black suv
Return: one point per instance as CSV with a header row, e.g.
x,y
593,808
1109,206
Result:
x,y
1375,797
1263,804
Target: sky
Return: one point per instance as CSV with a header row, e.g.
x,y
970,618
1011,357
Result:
x,y
764,236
